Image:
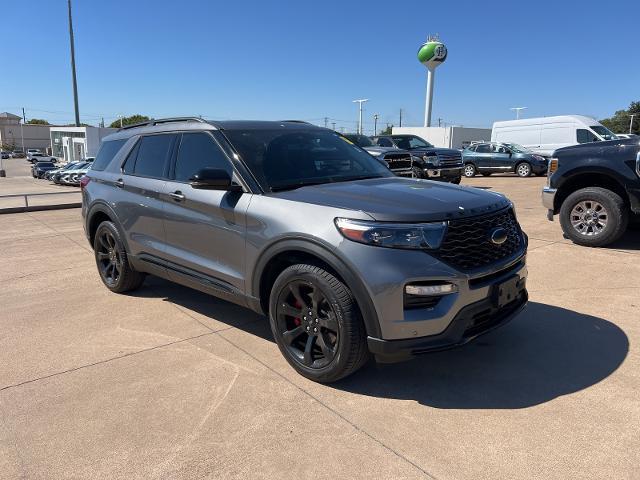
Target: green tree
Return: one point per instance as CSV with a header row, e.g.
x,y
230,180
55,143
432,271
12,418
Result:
x,y
38,121
619,122
137,118
386,131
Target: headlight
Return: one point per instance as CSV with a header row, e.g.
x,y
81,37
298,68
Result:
x,y
393,235
431,159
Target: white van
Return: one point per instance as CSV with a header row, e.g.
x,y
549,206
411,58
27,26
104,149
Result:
x,y
545,134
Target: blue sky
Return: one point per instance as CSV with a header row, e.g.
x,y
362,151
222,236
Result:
x,y
310,59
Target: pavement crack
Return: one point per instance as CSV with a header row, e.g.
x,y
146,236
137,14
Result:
x,y
333,411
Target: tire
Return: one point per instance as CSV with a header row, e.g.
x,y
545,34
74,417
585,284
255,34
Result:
x,y
112,262
417,172
456,180
307,297
579,225
470,170
523,169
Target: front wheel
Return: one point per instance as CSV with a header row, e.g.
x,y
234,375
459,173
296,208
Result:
x,y
316,324
469,170
593,217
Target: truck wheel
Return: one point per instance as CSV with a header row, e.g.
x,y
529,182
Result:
x,y
316,324
593,217
469,170
523,169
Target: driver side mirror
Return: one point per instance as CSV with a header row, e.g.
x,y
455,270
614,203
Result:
x,y
213,179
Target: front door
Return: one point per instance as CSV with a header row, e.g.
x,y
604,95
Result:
x,y
205,229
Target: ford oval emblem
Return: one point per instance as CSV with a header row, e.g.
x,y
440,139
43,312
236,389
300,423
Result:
x,y
498,236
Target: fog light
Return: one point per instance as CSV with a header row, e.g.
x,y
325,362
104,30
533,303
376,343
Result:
x,y
425,290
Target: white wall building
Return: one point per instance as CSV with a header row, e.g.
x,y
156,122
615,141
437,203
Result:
x,y
447,137
75,143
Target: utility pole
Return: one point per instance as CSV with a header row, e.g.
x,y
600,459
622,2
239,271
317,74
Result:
x,y
326,121
120,117
22,131
400,124
360,102
517,110
439,121
333,126
375,124
73,67
24,117
631,122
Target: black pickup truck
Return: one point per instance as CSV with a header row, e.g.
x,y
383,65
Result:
x,y
595,188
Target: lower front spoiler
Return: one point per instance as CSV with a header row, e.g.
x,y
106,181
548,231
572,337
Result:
x,y
471,322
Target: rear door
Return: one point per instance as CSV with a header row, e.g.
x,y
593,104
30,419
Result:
x,y
139,206
205,229
482,157
501,158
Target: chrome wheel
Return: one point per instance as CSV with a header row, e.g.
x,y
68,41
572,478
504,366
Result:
x,y
469,170
524,170
589,218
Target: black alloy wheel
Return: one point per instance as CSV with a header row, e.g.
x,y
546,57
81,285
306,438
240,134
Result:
x,y
112,262
108,258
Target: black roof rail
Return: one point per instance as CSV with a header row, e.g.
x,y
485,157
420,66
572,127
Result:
x,y
163,120
297,121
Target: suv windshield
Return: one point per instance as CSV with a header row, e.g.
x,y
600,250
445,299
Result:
x,y
410,142
360,140
518,148
288,159
604,132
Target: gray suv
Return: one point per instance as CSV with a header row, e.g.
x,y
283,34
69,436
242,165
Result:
x,y
296,222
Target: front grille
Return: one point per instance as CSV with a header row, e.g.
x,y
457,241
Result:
x,y
398,161
450,159
467,244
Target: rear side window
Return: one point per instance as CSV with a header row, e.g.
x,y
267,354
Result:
x,y
198,151
149,157
106,153
483,148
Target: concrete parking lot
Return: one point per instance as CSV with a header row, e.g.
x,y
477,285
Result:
x,y
170,383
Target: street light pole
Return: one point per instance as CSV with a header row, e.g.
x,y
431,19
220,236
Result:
x,y
360,102
73,67
631,122
375,124
517,109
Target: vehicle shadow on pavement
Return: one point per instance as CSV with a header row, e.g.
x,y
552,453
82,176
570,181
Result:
x,y
544,353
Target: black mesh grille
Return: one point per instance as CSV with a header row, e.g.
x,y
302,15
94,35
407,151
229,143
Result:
x,y
450,160
467,244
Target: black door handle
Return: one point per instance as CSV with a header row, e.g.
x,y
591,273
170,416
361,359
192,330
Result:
x,y
177,196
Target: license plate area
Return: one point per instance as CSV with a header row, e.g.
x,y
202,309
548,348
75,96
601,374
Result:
x,y
507,291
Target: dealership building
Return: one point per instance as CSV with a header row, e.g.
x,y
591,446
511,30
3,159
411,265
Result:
x,y
75,143
15,134
447,137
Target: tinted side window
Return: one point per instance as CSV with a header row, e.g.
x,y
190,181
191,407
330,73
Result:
x,y
153,152
198,151
585,136
106,153
483,148
385,142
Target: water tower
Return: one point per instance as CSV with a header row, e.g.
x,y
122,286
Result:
x,y
431,55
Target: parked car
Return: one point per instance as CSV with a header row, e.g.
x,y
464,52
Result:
x,y
18,154
490,157
400,162
543,135
38,169
73,175
40,157
595,189
5,154
439,163
288,219
54,175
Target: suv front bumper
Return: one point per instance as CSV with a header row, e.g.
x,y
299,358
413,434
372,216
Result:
x,y
472,321
445,173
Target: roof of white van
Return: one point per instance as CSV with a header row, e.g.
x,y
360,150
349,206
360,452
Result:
x,y
557,119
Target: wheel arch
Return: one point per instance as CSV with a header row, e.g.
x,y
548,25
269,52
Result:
x,y
588,179
99,213
285,253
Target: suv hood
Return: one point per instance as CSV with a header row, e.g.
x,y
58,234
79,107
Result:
x,y
395,199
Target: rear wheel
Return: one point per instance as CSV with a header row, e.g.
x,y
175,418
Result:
x,y
593,217
316,323
112,262
469,170
523,169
